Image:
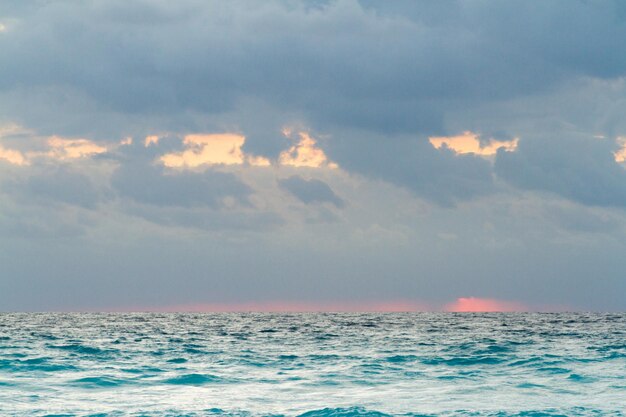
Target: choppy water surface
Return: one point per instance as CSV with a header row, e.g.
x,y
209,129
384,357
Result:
x,y
312,364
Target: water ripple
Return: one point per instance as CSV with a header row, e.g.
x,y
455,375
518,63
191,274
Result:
x,y
312,365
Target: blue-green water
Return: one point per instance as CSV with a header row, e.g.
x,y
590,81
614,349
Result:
x,y
312,364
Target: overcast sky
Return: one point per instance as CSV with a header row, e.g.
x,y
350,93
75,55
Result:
x,y
306,155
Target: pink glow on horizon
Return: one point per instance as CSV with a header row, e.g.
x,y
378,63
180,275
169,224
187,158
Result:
x,y
461,305
483,305
293,307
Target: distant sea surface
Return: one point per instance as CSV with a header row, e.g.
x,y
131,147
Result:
x,y
312,365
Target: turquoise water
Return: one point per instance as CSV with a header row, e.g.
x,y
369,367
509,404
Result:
x,y
312,365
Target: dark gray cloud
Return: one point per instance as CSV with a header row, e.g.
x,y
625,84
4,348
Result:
x,y
49,200
388,67
580,169
151,184
55,185
310,191
266,141
209,200
438,175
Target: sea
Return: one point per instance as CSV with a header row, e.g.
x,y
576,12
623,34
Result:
x,y
313,365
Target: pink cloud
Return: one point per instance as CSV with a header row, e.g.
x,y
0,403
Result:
x,y
475,304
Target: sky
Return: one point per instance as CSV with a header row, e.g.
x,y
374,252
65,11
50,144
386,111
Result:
x,y
312,155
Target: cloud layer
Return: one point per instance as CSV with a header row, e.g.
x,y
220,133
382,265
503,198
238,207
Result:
x,y
315,152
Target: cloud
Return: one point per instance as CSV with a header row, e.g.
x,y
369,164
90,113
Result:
x,y
12,156
582,169
470,142
386,68
53,147
305,153
620,154
63,148
198,201
212,149
407,69
151,140
10,129
382,89
439,175
225,218
227,149
474,304
67,149
55,184
153,185
310,191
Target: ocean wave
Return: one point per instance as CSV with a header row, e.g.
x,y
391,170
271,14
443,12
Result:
x,y
343,412
83,349
99,382
196,379
356,411
312,365
464,361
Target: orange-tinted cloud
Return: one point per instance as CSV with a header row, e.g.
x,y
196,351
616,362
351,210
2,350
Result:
x,y
151,140
13,129
59,147
12,156
305,153
620,155
62,148
474,304
212,149
258,161
468,142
